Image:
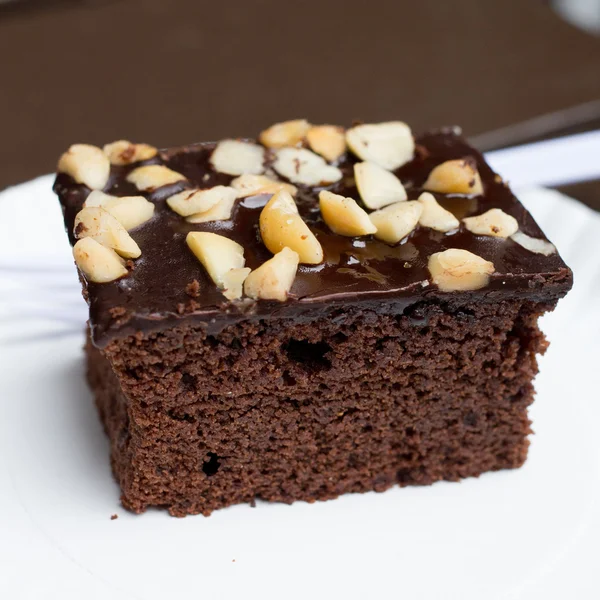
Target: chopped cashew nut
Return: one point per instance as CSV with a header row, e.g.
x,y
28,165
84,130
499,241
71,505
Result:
x,y
219,255
288,133
458,176
396,221
99,224
234,157
252,185
274,278
327,140
124,152
86,164
305,167
536,245
436,216
281,226
376,186
390,145
130,211
219,212
97,262
494,222
344,216
150,177
191,202
459,270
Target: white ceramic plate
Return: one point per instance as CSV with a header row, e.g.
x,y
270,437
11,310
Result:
x,y
533,533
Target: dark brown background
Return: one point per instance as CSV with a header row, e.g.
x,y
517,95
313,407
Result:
x,y
174,71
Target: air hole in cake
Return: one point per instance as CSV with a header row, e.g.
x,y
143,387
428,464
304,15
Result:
x,y
180,416
381,343
417,315
353,461
339,338
307,353
466,314
404,475
410,432
470,419
338,317
288,379
211,466
187,381
211,341
488,365
523,394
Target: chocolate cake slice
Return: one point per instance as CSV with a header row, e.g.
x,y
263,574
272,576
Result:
x,y
318,312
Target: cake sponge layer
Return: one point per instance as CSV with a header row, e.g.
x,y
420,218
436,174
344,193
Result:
x,y
351,402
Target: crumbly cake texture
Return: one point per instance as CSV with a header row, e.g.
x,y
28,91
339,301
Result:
x,y
272,411
320,312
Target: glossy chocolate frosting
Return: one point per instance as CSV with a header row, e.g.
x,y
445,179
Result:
x,y
161,290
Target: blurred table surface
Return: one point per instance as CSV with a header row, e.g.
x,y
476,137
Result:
x,y
171,72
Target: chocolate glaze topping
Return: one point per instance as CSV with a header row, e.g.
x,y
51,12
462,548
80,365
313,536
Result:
x,y
157,292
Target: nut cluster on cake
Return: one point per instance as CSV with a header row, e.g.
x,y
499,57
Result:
x,y
288,156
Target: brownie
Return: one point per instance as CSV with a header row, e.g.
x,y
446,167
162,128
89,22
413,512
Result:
x,y
318,312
